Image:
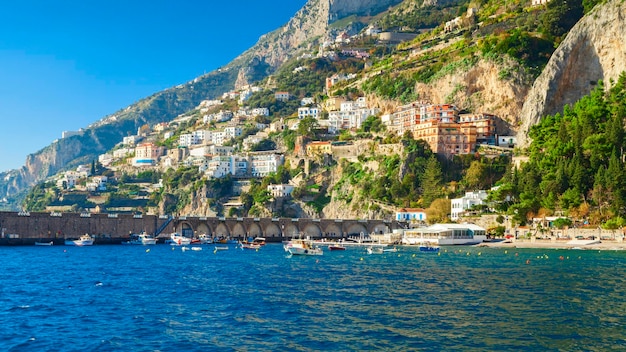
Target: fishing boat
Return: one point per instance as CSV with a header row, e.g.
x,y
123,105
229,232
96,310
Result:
x,y
141,239
84,240
299,246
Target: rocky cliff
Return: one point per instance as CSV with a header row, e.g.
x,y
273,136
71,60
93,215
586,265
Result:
x,y
595,49
482,88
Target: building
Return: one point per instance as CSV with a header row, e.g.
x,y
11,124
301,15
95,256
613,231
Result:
x,y
147,154
280,191
461,205
411,215
446,131
312,111
318,148
282,96
262,165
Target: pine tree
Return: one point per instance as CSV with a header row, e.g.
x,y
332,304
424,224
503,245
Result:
x,y
431,182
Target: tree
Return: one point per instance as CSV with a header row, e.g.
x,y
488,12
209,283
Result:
x,y
431,182
307,127
439,211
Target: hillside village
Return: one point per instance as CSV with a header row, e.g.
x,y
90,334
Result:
x,y
342,130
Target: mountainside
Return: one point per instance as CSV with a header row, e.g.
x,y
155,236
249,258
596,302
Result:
x,y
595,49
303,31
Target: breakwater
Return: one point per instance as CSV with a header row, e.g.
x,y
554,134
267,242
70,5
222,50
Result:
x,y
24,228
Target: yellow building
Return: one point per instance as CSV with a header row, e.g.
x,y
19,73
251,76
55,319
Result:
x,y
318,148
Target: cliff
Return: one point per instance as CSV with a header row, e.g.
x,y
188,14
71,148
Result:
x,y
595,49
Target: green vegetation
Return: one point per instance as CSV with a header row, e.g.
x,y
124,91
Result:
x,y
576,162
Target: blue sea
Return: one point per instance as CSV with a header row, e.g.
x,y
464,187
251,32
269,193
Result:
x,y
161,298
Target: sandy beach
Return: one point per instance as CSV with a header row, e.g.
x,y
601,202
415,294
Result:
x,y
573,244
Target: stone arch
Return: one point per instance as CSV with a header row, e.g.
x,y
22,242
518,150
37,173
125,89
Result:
x,y
291,230
312,230
272,230
222,230
333,231
254,230
203,228
380,228
356,229
238,230
184,228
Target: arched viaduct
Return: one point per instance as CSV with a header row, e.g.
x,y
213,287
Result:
x,y
25,228
280,228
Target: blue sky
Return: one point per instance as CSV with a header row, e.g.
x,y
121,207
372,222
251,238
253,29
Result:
x,y
65,64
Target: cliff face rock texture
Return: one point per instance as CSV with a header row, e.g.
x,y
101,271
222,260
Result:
x,y
481,88
304,32
595,49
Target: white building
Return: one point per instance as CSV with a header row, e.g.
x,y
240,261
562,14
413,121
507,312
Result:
x,y
307,101
461,205
220,166
312,111
411,215
233,131
280,191
263,164
260,112
122,153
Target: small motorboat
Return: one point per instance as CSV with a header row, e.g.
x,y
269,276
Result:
x,y
44,243
336,247
84,240
428,247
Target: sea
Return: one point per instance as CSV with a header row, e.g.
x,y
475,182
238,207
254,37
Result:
x,y
164,298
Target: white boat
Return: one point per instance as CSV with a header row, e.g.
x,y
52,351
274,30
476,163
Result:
x,y
44,243
141,239
84,240
205,239
445,235
179,240
299,246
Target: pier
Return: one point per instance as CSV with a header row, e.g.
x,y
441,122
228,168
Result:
x,y
26,228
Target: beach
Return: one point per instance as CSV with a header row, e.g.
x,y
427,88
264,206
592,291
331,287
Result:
x,y
558,244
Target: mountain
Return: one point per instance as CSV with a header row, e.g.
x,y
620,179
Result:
x,y
303,32
593,50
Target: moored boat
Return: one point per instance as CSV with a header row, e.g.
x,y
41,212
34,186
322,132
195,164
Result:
x,y
84,240
141,239
336,247
428,247
44,243
179,240
299,246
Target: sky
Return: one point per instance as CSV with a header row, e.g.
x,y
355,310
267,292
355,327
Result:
x,y
66,64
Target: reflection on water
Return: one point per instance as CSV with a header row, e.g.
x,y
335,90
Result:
x,y
121,297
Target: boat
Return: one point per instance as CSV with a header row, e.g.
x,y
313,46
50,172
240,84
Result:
x,y
336,247
299,246
205,239
84,240
226,240
179,240
44,243
141,239
259,240
250,245
374,250
428,247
